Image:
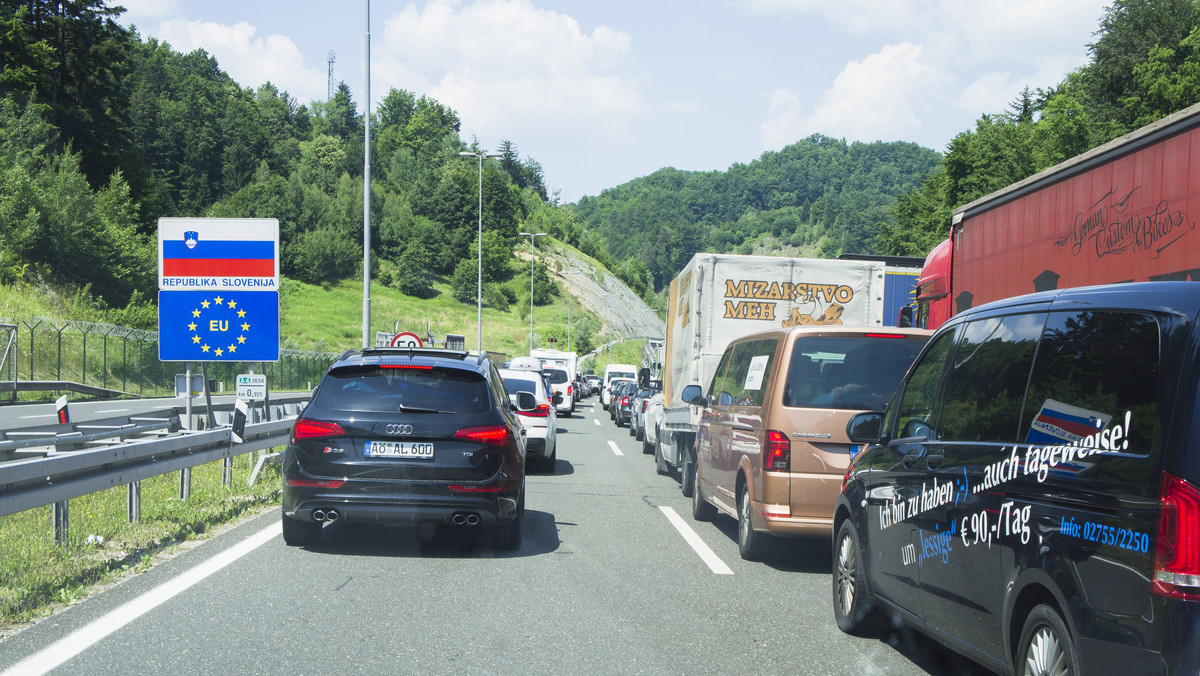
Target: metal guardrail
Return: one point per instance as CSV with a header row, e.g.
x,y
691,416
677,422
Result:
x,y
37,482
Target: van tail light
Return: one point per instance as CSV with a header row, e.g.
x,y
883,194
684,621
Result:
x,y
1177,556
496,435
542,411
779,452
568,390
315,429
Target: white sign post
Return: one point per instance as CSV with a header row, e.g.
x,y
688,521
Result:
x,y
252,386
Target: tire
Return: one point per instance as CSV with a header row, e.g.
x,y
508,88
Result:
x,y
750,543
852,605
1046,648
647,447
660,463
687,483
297,533
632,429
640,433
702,510
508,536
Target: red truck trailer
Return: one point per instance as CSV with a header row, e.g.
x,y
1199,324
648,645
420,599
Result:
x,y
1122,212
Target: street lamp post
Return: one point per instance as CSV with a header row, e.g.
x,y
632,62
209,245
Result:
x,y
568,273
479,283
532,240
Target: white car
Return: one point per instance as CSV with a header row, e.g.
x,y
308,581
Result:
x,y
541,424
560,384
651,419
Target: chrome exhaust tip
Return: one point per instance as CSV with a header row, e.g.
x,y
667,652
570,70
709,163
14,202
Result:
x,y
458,519
332,515
318,515
472,519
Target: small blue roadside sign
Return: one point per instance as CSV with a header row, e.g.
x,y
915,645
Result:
x,y
218,326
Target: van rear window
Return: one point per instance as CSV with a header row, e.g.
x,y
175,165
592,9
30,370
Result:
x,y
850,372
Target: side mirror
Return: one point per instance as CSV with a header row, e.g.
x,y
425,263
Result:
x,y
865,428
692,394
906,317
643,379
526,401
558,399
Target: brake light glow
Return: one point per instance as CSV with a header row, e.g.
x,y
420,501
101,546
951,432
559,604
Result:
x,y
1177,556
568,390
315,429
542,411
415,367
316,483
884,335
496,435
624,401
645,403
473,488
779,452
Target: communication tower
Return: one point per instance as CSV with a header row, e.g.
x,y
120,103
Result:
x,y
332,87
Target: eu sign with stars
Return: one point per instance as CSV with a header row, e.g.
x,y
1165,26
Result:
x,y
216,326
218,297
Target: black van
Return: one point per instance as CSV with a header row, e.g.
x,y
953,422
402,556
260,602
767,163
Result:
x,y
1031,496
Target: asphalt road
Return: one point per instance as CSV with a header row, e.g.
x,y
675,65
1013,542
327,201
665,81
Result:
x,y
603,583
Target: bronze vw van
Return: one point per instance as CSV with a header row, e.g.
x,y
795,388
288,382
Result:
x,y
771,450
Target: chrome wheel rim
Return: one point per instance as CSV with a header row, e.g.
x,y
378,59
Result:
x,y
847,572
1046,656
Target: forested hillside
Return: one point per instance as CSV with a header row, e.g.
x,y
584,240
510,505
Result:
x,y
101,133
821,196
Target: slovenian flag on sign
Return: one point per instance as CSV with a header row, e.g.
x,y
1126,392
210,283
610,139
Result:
x,y
240,254
203,257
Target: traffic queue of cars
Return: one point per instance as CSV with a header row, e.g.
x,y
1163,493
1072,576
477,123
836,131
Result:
x,y
1023,484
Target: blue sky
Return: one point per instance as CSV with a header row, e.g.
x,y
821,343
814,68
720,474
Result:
x,y
604,91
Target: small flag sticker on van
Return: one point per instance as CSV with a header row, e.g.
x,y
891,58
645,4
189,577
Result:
x,y
1059,423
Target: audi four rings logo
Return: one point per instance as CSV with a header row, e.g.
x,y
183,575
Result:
x,y
398,429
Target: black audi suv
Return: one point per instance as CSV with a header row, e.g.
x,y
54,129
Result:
x,y
407,437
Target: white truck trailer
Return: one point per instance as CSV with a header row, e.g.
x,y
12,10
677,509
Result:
x,y
719,297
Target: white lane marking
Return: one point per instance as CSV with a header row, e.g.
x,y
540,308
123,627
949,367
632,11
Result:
x,y
159,408
31,417
596,421
114,410
707,555
613,445
84,638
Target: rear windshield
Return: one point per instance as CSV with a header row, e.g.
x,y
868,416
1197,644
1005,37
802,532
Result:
x,y
375,389
514,385
556,376
853,373
619,374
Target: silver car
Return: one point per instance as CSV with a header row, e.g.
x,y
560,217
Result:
x,y
541,423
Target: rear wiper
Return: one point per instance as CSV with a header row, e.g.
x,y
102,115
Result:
x,y
416,409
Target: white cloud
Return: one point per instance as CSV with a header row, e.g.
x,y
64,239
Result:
x,y
885,96
504,63
249,59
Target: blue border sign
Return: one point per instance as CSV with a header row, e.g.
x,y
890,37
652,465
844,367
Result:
x,y
218,326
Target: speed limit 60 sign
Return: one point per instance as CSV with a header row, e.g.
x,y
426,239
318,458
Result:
x,y
406,339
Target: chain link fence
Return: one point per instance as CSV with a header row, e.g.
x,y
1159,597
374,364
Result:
x,y
126,360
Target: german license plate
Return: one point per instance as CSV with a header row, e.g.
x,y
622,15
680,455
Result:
x,y
399,449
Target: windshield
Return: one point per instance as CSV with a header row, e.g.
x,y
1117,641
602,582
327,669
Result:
x,y
374,389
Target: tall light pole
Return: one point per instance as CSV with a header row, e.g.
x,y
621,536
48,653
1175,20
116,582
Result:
x,y
366,314
479,285
532,240
609,295
568,273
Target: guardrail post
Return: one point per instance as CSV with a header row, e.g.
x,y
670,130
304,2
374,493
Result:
x,y
62,522
134,501
185,483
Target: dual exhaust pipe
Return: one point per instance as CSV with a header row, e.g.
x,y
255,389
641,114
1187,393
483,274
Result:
x,y
465,519
320,515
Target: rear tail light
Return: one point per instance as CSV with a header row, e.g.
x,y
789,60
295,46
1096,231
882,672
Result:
x,y
542,411
645,403
1177,556
316,483
884,335
568,390
415,367
779,452
496,435
624,401
315,429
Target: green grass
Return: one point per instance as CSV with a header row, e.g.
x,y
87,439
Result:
x,y
37,575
